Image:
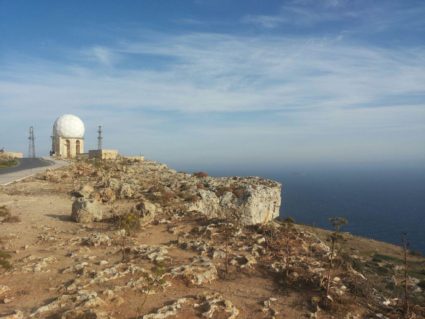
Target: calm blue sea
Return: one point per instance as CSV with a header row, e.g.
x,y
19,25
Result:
x,y
379,203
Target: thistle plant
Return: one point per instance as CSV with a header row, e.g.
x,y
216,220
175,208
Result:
x,y
334,237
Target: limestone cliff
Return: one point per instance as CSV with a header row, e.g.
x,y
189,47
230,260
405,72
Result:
x,y
255,201
247,200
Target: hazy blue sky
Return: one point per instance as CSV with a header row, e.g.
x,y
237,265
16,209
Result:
x,y
213,82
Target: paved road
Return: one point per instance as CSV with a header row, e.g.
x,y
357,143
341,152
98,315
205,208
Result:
x,y
27,167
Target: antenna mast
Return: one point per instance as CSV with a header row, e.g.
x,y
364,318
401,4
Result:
x,y
99,138
31,146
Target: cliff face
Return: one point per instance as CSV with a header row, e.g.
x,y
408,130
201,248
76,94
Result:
x,y
246,200
256,201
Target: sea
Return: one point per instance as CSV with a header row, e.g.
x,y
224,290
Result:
x,y
378,202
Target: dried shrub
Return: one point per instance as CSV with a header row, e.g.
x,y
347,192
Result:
x,y
184,187
4,260
130,222
160,194
4,211
359,287
221,190
200,174
239,192
191,198
289,220
6,216
168,196
200,186
8,163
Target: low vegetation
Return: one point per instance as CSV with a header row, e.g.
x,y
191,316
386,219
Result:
x,y
200,174
6,216
5,163
5,260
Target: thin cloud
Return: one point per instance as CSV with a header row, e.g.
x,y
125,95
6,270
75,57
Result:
x,y
307,91
101,54
343,16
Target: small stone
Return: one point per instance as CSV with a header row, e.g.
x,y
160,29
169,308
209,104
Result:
x,y
7,300
15,315
4,289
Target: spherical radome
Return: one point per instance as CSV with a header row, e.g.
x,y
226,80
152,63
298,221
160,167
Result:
x,y
69,126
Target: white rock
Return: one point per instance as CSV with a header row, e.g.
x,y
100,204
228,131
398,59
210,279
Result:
x,y
3,289
15,315
85,211
259,204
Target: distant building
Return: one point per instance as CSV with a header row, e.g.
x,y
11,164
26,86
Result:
x,y
103,154
68,136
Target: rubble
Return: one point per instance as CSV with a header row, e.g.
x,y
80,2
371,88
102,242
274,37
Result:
x,y
201,270
80,301
97,239
213,304
168,310
155,253
35,264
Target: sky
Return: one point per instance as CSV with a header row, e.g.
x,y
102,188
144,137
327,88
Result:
x,y
244,83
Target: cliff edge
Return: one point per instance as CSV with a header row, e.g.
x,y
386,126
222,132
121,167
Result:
x,y
135,239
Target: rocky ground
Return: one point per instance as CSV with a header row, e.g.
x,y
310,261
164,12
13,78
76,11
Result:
x,y
132,239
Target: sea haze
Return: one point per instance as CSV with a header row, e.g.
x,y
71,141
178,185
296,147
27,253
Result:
x,y
379,203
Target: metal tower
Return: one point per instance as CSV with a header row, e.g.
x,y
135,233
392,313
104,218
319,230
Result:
x,y
99,138
31,146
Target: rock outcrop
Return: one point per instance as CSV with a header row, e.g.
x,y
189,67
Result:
x,y
253,203
153,187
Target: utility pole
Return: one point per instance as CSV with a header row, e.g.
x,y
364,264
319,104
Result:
x,y
99,138
31,146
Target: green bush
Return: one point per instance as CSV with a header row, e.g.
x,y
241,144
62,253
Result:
x,y
130,222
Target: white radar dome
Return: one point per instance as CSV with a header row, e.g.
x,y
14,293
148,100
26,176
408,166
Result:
x,y
69,126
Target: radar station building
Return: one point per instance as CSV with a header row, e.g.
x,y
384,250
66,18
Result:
x,y
68,136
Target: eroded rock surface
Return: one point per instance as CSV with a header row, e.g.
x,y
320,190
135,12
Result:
x,y
154,187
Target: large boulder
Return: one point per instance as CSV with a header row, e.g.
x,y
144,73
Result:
x,y
249,203
85,211
146,211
